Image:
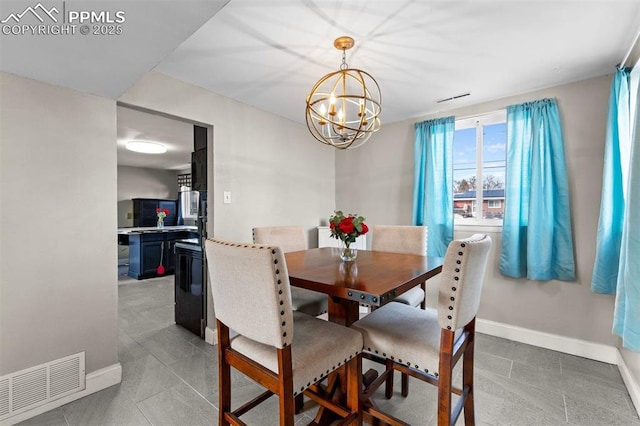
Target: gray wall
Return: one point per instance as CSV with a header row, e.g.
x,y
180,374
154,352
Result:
x,y
140,182
276,172
58,289
383,170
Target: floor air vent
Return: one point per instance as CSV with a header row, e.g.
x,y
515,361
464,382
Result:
x,y
26,389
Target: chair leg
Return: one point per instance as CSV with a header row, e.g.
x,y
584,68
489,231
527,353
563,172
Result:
x,y
224,375
285,393
467,375
388,387
445,378
298,403
354,387
405,384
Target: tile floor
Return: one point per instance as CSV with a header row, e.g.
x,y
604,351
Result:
x,y
169,378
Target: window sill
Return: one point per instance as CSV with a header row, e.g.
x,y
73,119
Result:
x,y
478,226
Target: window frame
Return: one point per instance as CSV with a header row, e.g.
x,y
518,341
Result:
x,y
477,122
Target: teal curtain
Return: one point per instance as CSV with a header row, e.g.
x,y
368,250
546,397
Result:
x,y
626,321
537,242
433,182
614,177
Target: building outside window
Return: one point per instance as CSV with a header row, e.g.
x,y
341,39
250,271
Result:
x,y
479,161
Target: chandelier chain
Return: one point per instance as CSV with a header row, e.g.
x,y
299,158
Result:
x,y
344,65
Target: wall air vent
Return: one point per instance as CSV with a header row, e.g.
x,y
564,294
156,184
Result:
x,y
29,388
462,95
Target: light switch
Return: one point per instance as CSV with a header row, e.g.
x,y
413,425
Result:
x,y
226,197
129,215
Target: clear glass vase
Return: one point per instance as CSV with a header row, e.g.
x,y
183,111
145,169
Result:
x,y
160,223
347,254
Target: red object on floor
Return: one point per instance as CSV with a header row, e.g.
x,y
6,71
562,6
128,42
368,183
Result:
x,y
160,269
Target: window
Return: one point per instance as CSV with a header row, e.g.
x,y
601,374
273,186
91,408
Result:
x,y
479,155
184,180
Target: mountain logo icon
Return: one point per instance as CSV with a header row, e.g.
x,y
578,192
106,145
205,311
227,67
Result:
x,y
39,11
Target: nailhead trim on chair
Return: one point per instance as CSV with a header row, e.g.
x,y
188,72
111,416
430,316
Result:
x,y
454,288
253,234
449,317
284,334
279,282
408,363
277,272
326,373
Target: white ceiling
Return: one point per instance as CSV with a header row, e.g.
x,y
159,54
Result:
x,y
175,135
269,53
105,65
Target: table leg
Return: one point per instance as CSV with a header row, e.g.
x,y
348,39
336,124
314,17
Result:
x,y
343,312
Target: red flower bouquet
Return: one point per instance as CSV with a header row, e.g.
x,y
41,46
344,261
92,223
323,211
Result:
x,y
347,229
162,213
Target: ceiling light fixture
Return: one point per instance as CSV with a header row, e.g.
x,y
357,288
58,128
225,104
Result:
x,y
343,106
146,147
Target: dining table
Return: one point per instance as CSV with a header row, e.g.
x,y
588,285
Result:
x,y
374,278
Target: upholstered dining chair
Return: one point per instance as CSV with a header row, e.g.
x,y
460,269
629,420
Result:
x,y
291,238
427,344
284,351
407,240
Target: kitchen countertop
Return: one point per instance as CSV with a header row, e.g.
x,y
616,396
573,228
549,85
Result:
x,y
153,229
189,244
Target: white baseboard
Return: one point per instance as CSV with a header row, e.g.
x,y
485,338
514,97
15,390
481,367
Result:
x,y
569,345
210,336
633,387
95,381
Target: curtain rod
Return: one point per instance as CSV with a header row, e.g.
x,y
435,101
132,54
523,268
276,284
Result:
x,y
635,45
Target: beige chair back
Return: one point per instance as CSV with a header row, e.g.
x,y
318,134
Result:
x,y
461,281
288,238
250,290
400,239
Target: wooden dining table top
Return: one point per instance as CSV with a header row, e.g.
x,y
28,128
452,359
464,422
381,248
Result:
x,y
374,278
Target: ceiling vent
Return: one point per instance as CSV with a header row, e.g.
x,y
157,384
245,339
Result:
x,y
453,98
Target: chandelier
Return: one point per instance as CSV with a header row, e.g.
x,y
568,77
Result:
x,y
343,106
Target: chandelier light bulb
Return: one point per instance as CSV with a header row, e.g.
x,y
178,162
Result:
x,y
332,105
323,113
